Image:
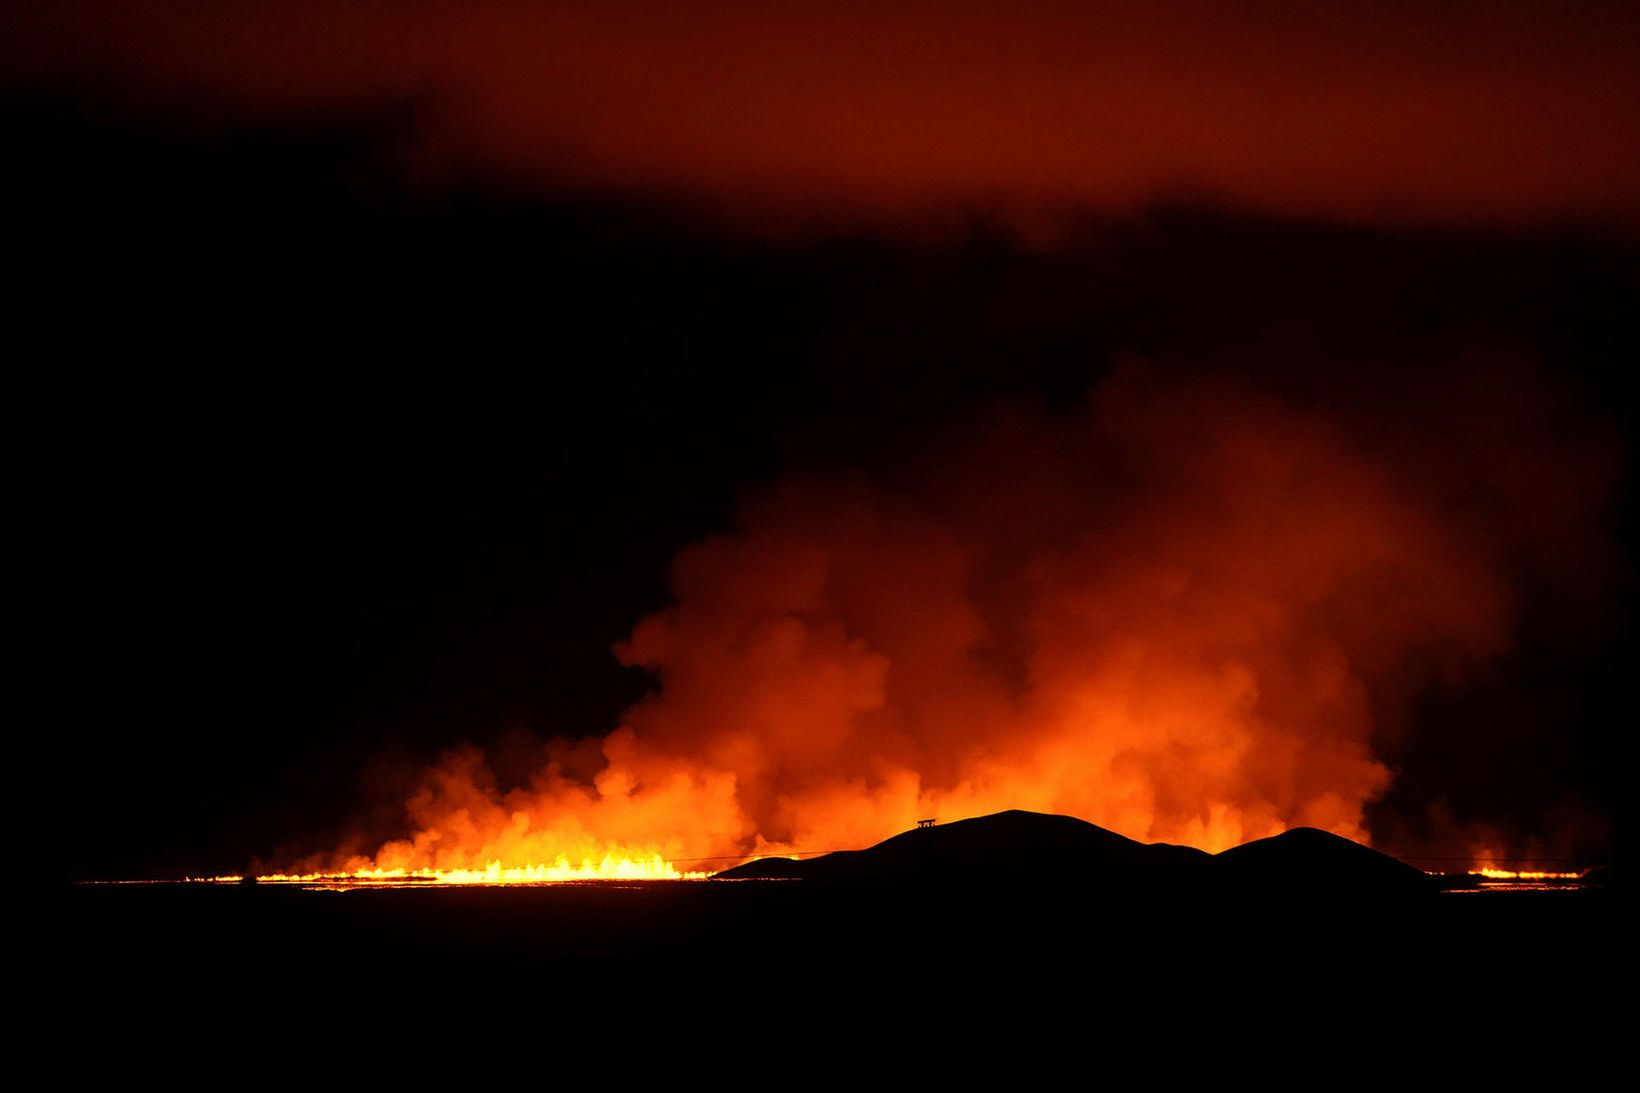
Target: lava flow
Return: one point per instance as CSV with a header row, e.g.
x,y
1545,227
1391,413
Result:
x,y
1492,872
561,871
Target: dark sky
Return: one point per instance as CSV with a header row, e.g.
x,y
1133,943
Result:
x,y
372,364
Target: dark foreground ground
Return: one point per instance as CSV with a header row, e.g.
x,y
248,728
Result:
x,y
790,975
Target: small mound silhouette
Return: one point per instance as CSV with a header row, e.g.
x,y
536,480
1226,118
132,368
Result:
x,y
765,869
1308,861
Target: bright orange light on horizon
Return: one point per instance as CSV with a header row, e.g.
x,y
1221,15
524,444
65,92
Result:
x,y
610,867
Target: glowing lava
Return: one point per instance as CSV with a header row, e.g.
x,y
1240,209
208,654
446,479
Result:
x,y
610,867
1491,872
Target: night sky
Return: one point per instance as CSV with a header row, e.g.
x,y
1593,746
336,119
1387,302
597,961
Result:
x,y
371,365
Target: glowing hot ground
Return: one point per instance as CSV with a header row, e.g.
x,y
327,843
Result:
x,y
1483,874
561,871
658,869
1493,873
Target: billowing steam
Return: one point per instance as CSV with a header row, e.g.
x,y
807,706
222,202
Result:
x,y
1187,611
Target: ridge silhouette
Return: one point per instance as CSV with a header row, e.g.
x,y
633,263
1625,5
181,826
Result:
x,y
1017,845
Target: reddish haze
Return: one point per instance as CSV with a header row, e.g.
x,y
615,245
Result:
x,y
1478,112
1188,611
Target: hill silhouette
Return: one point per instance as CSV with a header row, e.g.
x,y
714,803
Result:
x,y
1017,846
1010,845
1307,860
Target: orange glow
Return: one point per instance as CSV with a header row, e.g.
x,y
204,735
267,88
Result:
x,y
1492,872
610,867
1464,111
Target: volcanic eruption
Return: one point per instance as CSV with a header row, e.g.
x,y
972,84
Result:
x,y
1187,610
1195,423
